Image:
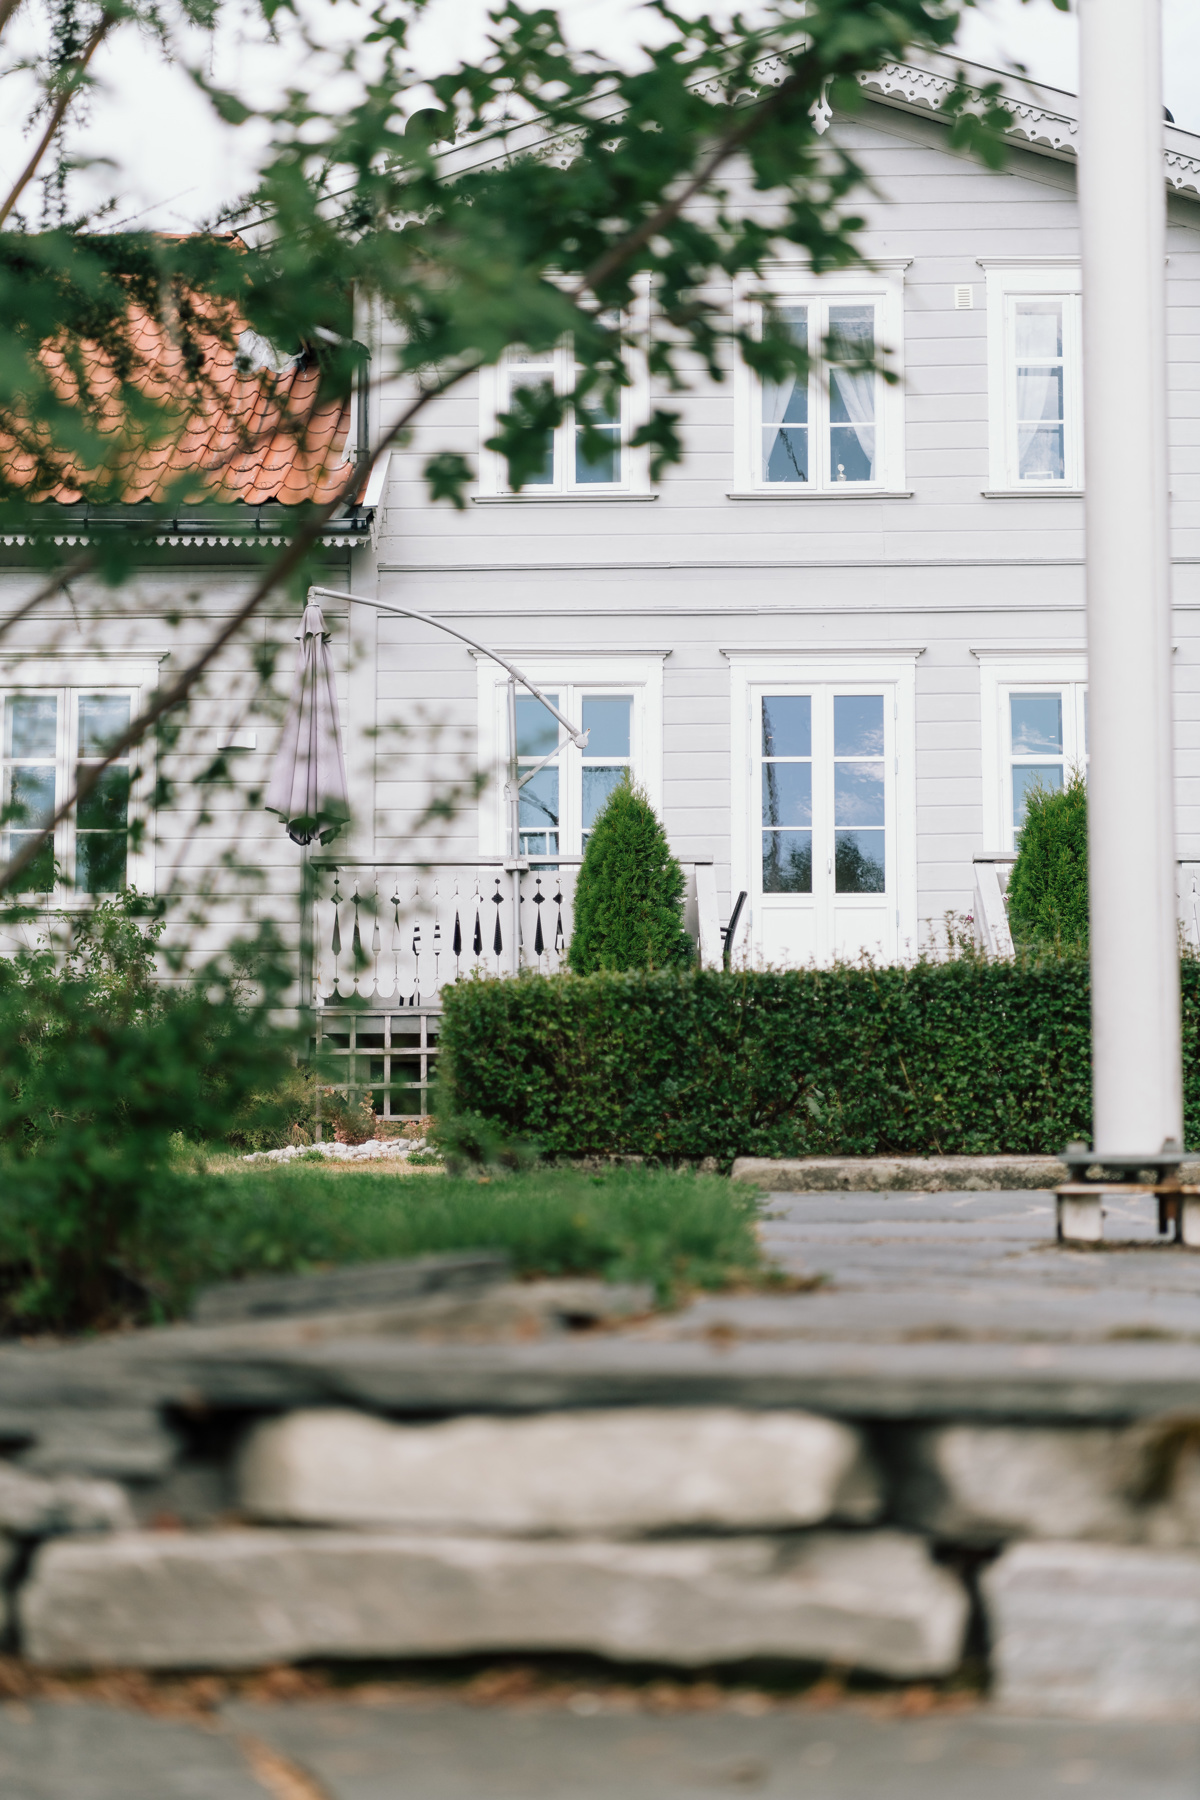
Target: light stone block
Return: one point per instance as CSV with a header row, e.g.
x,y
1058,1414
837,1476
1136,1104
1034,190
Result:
x,y
1095,1631
33,1507
984,1483
240,1599
615,1473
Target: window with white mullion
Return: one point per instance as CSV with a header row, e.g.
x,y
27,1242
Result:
x,y
561,802
608,757
1047,730
51,740
540,809
821,430
33,735
570,464
1042,383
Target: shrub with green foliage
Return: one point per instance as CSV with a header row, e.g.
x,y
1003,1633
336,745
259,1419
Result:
x,y
965,1057
1048,887
100,1067
629,896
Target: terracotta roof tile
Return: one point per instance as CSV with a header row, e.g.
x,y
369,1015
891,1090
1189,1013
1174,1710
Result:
x,y
244,433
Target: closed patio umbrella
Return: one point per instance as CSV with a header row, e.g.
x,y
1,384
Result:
x,y
308,783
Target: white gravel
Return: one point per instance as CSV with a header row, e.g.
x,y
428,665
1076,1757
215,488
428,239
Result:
x,y
372,1151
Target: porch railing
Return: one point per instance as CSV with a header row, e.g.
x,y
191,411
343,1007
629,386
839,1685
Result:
x,y
384,939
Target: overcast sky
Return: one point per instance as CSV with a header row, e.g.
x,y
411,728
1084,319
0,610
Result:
x,y
176,165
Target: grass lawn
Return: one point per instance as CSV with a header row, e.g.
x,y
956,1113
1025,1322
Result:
x,y
677,1230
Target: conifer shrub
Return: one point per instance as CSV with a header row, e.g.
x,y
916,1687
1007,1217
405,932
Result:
x,y
629,897
1048,887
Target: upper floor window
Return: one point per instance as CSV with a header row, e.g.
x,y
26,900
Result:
x,y
838,429
568,463
587,456
821,429
50,738
1036,377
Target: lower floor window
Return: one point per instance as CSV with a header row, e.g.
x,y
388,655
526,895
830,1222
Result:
x,y
1047,741
51,740
560,803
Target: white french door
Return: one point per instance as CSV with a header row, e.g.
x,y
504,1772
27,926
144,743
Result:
x,y
823,861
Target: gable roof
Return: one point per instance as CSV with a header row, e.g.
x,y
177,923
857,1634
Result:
x,y
1044,119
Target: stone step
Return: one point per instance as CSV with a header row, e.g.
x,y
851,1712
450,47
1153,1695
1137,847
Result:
x,y
1095,1631
623,1473
240,1599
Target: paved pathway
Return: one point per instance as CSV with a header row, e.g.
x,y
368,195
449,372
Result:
x,y
317,1750
971,1267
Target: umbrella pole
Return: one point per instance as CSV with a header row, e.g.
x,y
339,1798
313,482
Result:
x,y
514,824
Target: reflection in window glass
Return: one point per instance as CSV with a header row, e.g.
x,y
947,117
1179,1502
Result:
x,y
787,794
30,785
787,725
787,862
859,795
603,464
785,413
598,784
532,371
102,816
607,720
1030,776
1040,375
858,725
852,393
537,729
1037,724
539,814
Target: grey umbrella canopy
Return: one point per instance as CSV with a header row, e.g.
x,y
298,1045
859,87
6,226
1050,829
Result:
x,y
308,783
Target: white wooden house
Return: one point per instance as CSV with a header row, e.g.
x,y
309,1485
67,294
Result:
x,y
835,646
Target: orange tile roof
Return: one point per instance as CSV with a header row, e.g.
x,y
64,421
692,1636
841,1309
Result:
x,y
245,433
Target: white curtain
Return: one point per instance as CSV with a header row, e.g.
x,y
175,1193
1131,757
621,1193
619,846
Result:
x,y
1038,403
776,397
856,390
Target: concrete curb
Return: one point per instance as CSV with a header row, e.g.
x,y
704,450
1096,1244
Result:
x,y
904,1174
908,1174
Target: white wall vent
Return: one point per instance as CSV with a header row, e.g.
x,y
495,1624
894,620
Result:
x,y
964,298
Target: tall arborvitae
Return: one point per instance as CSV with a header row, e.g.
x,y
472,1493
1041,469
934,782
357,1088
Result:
x,y
1048,887
629,896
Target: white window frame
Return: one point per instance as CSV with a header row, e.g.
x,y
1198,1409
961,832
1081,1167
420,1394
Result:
x,y
66,678
494,391
1008,282
882,286
1006,672
573,679
867,670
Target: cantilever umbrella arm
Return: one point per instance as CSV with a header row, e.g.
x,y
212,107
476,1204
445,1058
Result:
x,y
577,737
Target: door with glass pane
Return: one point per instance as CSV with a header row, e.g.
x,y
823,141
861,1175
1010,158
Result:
x,y
823,801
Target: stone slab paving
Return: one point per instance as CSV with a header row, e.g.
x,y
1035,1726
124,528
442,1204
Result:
x,y
448,1751
80,1751
461,1753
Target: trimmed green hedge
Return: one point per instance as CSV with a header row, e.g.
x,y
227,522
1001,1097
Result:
x,y
966,1057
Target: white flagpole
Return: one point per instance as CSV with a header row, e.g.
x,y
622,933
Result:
x,y
1138,1105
